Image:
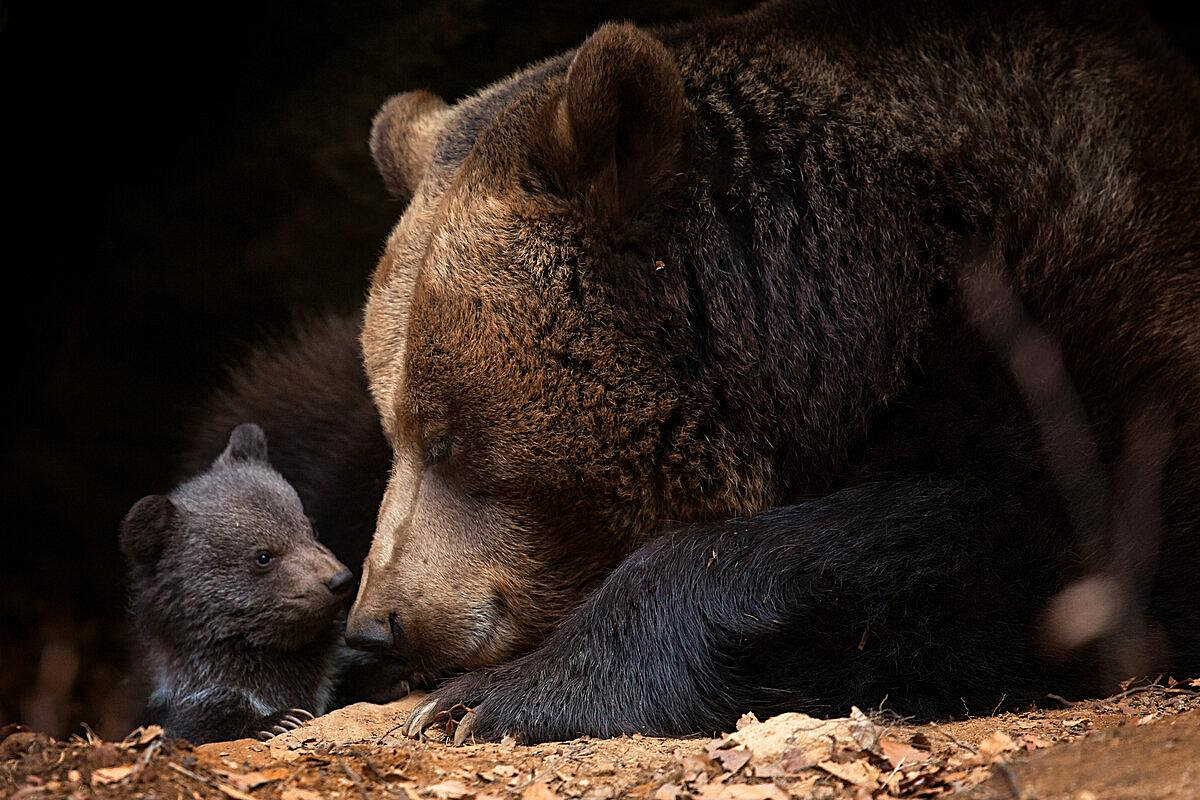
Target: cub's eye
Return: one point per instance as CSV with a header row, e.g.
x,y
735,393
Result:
x,y
263,558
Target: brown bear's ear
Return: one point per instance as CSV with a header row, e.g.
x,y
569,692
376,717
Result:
x,y
620,122
403,136
144,529
246,443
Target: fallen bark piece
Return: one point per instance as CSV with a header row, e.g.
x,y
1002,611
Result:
x,y
802,738
106,775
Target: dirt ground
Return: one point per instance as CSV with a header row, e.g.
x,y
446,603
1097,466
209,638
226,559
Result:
x,y
1143,743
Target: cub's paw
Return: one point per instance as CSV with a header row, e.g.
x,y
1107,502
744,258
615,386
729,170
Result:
x,y
283,721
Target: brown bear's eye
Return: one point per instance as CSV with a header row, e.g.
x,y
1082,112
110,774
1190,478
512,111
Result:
x,y
263,558
439,449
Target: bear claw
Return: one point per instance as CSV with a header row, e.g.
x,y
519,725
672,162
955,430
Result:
x,y
465,726
282,722
420,719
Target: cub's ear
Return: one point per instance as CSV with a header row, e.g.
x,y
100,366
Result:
x,y
247,443
144,529
620,122
403,136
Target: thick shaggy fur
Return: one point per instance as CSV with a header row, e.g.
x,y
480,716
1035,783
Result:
x,y
234,601
309,394
694,408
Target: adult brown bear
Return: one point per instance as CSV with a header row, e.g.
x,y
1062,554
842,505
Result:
x,y
689,415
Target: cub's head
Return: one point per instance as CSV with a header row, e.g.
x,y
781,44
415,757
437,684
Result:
x,y
536,371
230,556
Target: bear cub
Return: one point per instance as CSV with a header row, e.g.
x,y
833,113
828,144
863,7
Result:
x,y
235,603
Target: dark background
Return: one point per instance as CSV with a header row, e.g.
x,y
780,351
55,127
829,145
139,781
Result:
x,y
182,181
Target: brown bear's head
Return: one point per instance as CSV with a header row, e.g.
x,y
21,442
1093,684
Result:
x,y
536,364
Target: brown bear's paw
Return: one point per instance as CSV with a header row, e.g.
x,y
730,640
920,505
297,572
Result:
x,y
462,709
517,699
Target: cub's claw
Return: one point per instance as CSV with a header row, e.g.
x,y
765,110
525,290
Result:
x,y
281,722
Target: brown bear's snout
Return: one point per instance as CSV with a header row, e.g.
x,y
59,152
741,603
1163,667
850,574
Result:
x,y
428,591
374,635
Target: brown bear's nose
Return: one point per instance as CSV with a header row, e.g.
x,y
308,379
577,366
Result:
x,y
341,582
370,633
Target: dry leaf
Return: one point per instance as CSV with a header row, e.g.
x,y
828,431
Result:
x,y
742,791
105,775
996,744
694,766
245,781
732,760
299,794
448,790
864,731
408,787
668,791
802,788
898,753
798,760
746,719
538,790
859,773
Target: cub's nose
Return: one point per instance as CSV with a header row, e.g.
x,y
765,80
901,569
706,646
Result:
x,y
368,633
341,582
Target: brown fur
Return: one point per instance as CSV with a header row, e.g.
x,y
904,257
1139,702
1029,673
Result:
x,y
694,274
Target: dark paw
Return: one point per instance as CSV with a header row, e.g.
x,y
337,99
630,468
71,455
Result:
x,y
473,707
283,721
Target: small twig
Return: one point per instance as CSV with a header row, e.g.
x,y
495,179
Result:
x,y
893,773
950,736
194,776
390,731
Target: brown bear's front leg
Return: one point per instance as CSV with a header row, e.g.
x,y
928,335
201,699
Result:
x,y
896,590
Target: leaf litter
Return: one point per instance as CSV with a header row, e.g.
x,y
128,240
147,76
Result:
x,y
357,752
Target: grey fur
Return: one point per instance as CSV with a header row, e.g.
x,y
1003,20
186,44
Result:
x,y
224,640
